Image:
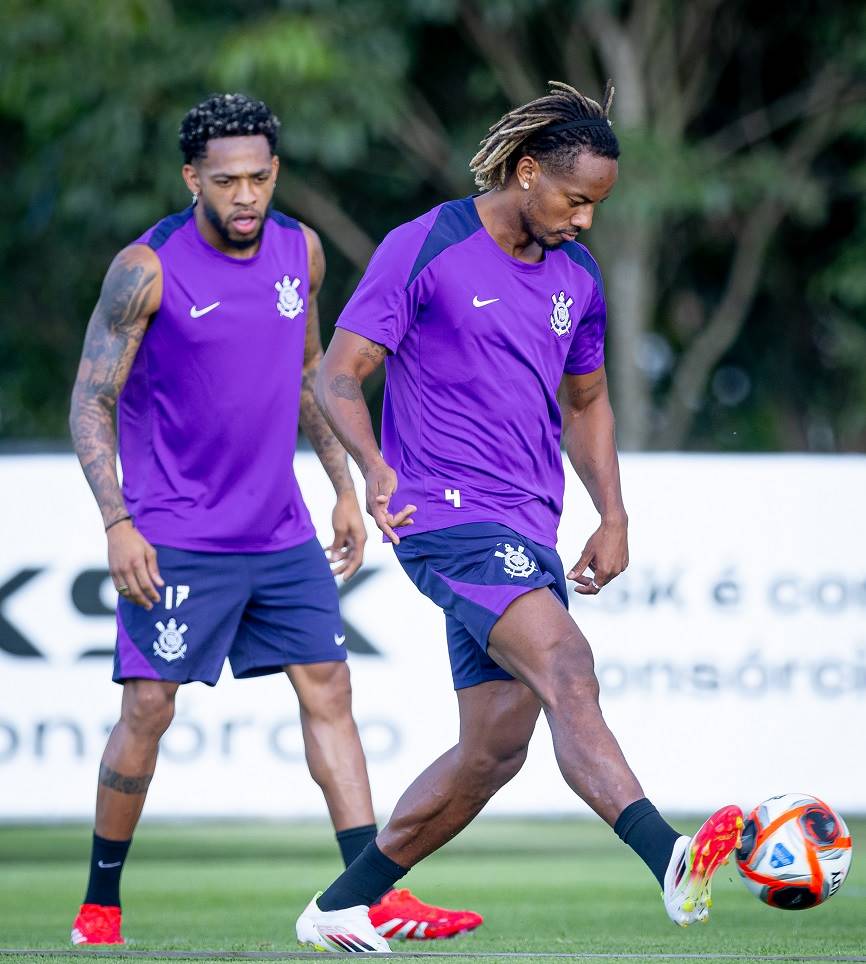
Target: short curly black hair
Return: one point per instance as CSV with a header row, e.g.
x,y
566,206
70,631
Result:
x,y
226,115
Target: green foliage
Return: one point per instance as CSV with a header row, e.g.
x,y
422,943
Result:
x,y
383,103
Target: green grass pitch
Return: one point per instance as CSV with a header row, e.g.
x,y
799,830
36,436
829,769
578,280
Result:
x,y
561,886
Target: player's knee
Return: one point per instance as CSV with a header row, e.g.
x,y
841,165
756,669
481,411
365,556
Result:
x,y
508,764
571,677
149,711
330,699
486,769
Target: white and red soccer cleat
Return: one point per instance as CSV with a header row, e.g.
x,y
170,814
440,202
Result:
x,y
97,924
346,931
687,892
399,915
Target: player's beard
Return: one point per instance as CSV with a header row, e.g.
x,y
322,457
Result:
x,y
546,240
222,228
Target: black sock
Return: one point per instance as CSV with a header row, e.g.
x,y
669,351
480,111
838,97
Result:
x,y
106,866
648,834
352,841
369,876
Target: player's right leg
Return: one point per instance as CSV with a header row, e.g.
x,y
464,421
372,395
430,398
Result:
x,y
125,772
185,637
537,641
497,718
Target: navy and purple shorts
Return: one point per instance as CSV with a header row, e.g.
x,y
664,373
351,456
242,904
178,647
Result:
x,y
473,573
262,610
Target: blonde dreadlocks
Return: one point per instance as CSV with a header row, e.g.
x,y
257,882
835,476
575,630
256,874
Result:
x,y
552,129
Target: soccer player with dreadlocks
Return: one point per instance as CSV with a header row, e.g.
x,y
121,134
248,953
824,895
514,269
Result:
x,y
204,345
481,310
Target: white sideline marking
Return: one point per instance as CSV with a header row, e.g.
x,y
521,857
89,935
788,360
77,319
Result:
x,y
290,955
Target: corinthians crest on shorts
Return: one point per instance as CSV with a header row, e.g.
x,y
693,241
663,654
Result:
x,y
169,644
515,562
289,304
560,317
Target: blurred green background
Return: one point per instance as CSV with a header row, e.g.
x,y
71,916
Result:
x,y
734,248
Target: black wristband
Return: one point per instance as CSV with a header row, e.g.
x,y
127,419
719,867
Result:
x,y
123,518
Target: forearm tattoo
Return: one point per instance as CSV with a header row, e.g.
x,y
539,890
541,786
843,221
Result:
x,y
331,454
121,783
346,386
113,336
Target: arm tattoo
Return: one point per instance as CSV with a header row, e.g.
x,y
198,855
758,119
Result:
x,y
122,783
346,386
575,391
331,454
113,336
374,351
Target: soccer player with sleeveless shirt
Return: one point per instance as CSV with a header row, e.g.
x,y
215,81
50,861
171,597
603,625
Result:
x,y
482,309
205,343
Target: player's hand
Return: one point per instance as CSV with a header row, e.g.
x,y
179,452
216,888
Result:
x,y
132,563
605,554
381,485
346,552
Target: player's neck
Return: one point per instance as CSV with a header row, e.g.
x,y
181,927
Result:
x,y
501,219
210,234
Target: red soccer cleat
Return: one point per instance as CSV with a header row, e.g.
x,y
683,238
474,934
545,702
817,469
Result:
x,y
687,888
400,916
97,924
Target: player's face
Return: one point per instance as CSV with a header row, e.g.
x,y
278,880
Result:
x,y
557,207
235,183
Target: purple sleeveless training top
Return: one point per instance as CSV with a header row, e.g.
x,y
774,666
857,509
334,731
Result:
x,y
208,419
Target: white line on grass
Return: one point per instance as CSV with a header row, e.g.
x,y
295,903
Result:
x,y
488,955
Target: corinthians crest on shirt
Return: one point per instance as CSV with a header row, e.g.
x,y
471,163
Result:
x,y
289,303
560,317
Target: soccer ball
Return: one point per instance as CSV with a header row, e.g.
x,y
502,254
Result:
x,y
795,852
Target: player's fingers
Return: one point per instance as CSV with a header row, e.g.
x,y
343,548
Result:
x,y
353,562
150,592
380,517
153,567
580,567
403,517
602,577
336,548
587,589
133,593
339,568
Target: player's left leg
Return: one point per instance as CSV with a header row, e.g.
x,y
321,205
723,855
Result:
x,y
538,642
332,744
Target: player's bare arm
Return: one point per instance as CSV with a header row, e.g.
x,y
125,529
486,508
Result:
x,y
346,552
349,360
131,293
590,440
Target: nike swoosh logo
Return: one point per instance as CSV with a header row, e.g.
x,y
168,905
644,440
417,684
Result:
x,y
339,640
480,304
105,866
198,312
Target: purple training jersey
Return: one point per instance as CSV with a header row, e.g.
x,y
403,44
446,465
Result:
x,y
208,418
479,344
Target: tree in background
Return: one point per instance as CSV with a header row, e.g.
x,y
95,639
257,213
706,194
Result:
x,y
732,249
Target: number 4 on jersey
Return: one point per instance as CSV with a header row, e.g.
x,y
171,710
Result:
x,y
453,496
